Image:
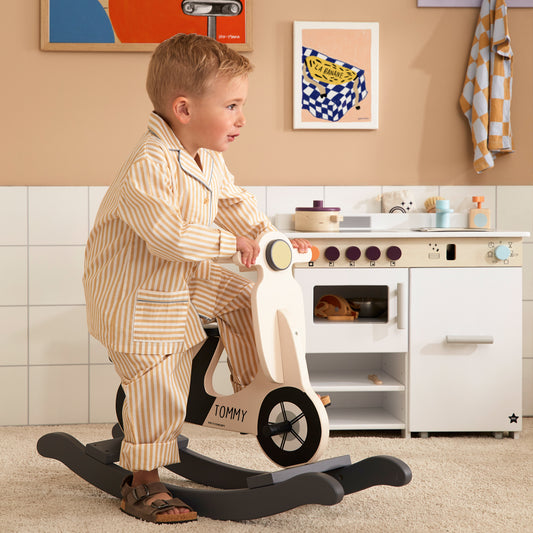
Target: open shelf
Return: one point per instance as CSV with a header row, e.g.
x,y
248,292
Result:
x,y
357,403
353,381
382,319
369,418
364,410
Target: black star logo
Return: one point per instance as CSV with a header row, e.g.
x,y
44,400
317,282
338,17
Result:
x,y
513,418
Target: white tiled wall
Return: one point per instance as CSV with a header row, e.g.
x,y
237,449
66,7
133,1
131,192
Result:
x,y
52,372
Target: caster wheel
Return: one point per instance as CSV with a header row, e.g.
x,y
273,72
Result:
x,y
288,427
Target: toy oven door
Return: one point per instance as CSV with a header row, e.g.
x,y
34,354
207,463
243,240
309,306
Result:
x,y
384,332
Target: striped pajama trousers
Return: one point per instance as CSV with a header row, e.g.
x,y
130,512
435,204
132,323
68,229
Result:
x,y
157,386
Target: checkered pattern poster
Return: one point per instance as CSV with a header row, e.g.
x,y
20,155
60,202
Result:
x,y
336,75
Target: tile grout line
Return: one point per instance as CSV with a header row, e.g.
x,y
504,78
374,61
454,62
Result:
x,y
88,336
28,306
495,214
42,305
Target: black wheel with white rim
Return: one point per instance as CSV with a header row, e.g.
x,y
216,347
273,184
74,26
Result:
x,y
288,427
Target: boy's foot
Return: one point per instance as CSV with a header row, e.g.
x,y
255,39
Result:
x,y
153,502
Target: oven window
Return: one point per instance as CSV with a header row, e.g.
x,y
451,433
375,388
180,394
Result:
x,y
351,303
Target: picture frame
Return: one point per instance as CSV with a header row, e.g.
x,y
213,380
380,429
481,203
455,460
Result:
x,y
335,75
138,25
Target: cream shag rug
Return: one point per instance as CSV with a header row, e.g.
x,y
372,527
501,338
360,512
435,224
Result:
x,y
461,483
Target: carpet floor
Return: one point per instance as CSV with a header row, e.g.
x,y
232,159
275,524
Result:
x,y
461,483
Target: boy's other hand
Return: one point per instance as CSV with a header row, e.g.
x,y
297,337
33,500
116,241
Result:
x,y
302,245
249,250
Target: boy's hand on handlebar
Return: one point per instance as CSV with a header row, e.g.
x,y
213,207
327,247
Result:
x,y
249,250
302,245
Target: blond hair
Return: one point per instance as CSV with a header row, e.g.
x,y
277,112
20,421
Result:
x,y
185,64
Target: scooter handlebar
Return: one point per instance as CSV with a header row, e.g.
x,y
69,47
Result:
x,y
296,256
304,257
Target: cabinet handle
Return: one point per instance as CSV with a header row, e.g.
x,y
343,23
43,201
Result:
x,y
469,339
401,295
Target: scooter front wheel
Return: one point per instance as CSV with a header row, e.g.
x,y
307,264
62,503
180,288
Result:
x,y
288,427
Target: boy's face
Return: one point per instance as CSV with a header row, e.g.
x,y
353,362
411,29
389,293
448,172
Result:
x,y
216,117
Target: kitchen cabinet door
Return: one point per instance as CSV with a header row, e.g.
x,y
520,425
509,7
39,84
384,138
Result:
x,y
465,349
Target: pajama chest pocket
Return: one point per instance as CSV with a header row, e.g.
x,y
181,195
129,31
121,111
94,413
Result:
x,y
160,316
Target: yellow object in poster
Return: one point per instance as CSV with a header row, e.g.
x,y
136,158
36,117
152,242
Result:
x,y
328,72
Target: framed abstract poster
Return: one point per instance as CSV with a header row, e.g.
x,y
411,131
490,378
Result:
x,y
140,25
336,75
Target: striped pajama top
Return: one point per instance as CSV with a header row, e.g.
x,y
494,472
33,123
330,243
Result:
x,y
153,230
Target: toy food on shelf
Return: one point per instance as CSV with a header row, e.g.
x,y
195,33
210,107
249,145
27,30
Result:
x,y
335,308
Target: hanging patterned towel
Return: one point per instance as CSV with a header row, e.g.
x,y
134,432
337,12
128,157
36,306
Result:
x,y
486,97
330,87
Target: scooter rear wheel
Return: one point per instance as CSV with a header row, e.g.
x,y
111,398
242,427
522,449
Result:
x,y
119,404
288,427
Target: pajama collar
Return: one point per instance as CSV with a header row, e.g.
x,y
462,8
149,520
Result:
x,y
160,129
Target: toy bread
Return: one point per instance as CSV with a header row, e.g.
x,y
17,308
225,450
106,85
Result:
x,y
335,308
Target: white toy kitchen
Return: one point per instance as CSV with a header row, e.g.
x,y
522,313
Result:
x,y
435,344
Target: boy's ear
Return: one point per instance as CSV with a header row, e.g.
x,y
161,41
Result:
x,y
181,109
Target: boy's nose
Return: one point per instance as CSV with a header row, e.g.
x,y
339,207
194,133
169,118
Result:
x,y
241,120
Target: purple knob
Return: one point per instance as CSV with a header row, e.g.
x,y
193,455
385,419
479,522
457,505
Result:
x,y
353,253
372,253
332,253
394,253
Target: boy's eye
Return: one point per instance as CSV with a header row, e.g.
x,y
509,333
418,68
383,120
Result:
x,y
232,106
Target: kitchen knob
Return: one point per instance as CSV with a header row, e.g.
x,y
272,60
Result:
x,y
315,253
372,253
394,253
353,253
332,253
502,252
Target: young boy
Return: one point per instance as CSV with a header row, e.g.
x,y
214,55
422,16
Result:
x,y
149,276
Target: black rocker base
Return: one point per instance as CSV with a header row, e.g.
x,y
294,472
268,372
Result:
x,y
246,494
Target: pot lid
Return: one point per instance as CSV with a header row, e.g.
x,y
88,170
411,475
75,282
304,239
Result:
x,y
318,205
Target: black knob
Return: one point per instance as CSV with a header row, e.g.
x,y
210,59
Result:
x,y
372,253
394,253
332,253
353,253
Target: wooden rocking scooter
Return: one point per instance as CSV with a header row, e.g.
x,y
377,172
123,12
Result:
x,y
279,406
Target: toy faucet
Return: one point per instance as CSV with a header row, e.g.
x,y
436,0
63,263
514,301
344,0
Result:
x,y
479,217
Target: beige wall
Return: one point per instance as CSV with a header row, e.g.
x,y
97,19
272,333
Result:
x,y
72,118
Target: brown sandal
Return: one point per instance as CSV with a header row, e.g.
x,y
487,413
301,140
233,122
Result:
x,y
134,503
